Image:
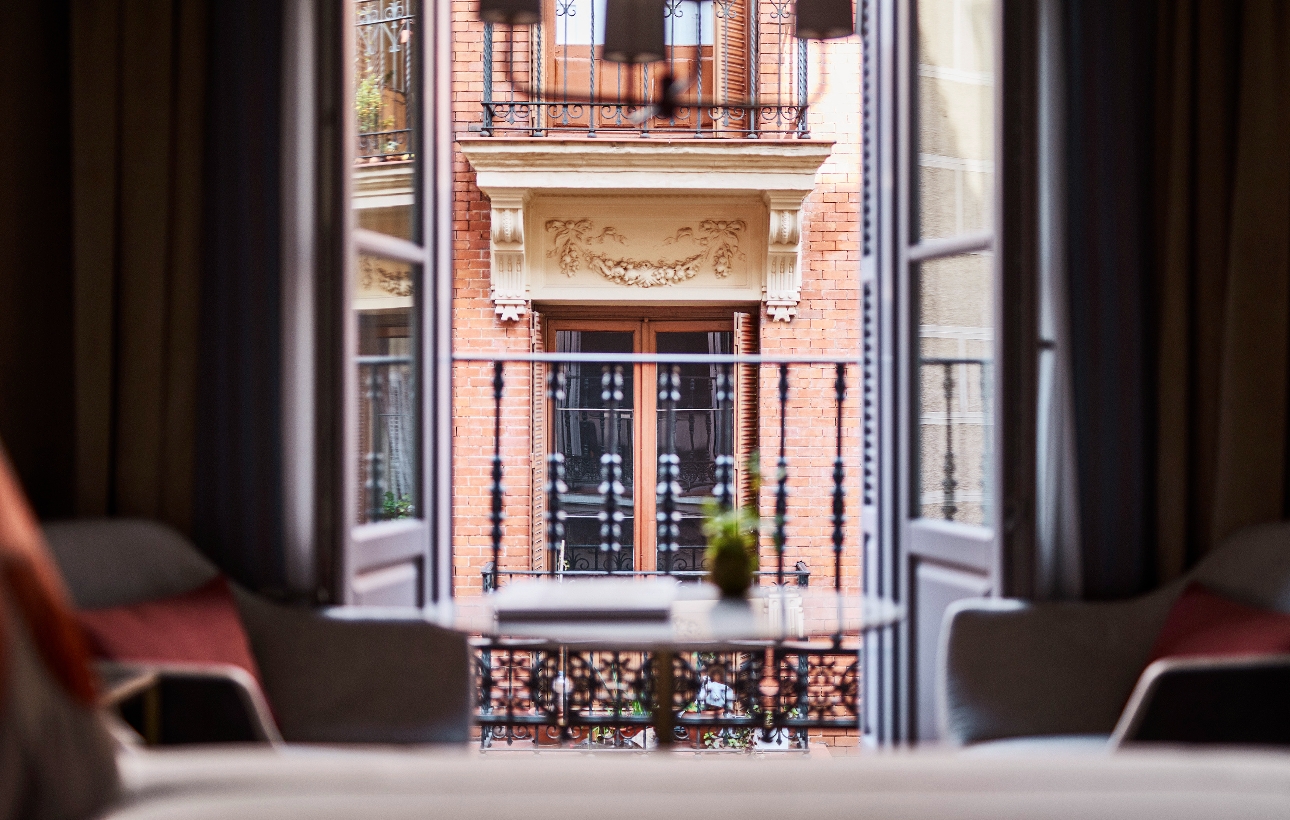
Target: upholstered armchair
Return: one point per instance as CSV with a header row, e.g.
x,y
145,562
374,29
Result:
x,y
326,679
1014,670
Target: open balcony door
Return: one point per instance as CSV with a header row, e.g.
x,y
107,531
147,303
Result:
x,y
384,313
946,399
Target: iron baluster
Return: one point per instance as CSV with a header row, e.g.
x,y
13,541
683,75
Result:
x,y
555,514
591,92
488,80
535,38
611,467
669,466
839,501
497,513
724,487
803,95
754,56
698,69
949,509
781,475
839,473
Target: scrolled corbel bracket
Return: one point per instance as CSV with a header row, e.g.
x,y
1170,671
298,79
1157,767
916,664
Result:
x,y
508,286
783,285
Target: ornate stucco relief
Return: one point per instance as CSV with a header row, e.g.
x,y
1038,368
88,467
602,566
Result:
x,y
380,279
578,245
649,193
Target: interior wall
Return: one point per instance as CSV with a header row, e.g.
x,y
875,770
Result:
x,y
37,408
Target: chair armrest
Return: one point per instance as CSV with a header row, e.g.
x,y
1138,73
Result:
x,y
190,702
333,680
1009,669
1236,700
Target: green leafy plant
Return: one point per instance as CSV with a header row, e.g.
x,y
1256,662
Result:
x,y
368,100
732,536
400,507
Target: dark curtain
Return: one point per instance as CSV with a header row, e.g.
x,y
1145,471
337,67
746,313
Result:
x,y
137,81
1223,203
37,384
1109,71
237,502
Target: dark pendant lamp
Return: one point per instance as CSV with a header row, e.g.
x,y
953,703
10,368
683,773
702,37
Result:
x,y
634,31
825,19
511,12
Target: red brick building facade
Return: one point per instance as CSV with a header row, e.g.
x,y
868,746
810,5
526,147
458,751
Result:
x,y
826,322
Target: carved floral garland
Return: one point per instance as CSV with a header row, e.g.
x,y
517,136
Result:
x,y
577,240
376,276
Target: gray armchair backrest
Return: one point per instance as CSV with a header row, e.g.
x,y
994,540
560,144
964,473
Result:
x,y
118,561
1011,669
1252,566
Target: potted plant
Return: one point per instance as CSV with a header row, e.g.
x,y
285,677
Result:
x,y
732,535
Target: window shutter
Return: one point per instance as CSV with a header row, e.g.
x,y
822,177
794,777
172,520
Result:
x,y
537,415
731,39
746,399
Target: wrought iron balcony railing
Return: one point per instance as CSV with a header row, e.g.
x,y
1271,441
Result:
x,y
596,517
757,695
745,74
760,697
800,574
384,91
956,399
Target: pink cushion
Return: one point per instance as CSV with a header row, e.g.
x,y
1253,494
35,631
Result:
x,y
1203,622
200,626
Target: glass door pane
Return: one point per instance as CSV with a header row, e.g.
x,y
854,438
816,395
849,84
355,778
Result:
x,y
386,99
587,427
702,432
955,112
389,403
955,349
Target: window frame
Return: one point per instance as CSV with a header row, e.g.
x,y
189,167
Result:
x,y
321,243
898,664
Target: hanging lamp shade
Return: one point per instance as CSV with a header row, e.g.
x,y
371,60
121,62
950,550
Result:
x,y
825,19
511,12
634,31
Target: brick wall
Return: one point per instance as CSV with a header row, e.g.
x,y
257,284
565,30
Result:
x,y
826,322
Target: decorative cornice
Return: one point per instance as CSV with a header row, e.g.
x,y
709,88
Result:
x,y
645,165
510,171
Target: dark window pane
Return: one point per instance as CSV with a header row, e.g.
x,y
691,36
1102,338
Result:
x,y
585,426
702,431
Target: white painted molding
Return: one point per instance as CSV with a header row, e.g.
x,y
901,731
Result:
x,y
775,176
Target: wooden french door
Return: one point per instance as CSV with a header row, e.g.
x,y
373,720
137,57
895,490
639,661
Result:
x,y
586,424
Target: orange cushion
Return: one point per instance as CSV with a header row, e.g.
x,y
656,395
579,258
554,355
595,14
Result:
x,y
200,626
35,586
1203,622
